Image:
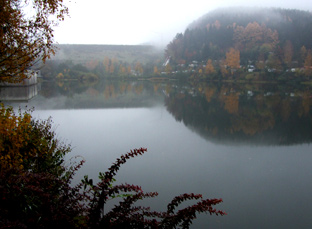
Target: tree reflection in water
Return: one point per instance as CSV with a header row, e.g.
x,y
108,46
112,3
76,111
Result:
x,y
253,114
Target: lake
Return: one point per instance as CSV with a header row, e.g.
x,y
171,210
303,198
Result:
x,y
249,144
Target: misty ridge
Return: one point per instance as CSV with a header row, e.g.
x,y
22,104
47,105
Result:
x,y
244,15
280,36
217,45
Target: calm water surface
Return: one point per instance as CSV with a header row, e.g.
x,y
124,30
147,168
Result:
x,y
247,144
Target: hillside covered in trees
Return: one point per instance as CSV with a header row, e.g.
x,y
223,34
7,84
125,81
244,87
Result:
x,y
93,62
253,44
245,39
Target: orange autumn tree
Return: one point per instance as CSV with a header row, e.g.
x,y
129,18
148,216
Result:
x,y
139,68
233,58
156,71
288,53
122,70
303,53
254,35
209,69
308,63
26,34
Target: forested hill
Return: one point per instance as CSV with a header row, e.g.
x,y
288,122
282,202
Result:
x,y
273,36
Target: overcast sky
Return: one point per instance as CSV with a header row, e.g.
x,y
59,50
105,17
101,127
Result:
x,y
143,21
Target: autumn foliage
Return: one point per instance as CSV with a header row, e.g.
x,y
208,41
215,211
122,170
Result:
x,y
28,144
34,184
36,190
26,34
246,39
232,58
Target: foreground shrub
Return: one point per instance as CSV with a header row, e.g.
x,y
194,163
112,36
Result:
x,y
128,215
36,190
29,144
35,186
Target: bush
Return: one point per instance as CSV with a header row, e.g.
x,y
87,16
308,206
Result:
x,y
36,191
34,183
28,144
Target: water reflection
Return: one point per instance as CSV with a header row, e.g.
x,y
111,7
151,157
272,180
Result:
x,y
258,114
104,94
253,114
263,186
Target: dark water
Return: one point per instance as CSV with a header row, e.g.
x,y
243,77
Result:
x,y
247,144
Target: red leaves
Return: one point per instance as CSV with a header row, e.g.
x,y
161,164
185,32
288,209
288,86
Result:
x,y
115,167
104,189
179,199
186,215
124,188
126,215
33,196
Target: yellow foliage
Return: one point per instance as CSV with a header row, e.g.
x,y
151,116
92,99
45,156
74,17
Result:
x,y
26,36
156,72
224,71
111,68
209,92
254,35
168,68
308,63
233,58
231,103
139,68
288,52
26,143
16,131
209,69
122,69
129,70
60,76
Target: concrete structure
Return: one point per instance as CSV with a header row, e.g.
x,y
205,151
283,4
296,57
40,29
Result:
x,y
23,91
18,94
32,79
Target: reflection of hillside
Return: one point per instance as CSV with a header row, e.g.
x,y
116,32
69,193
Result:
x,y
244,114
103,94
248,114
